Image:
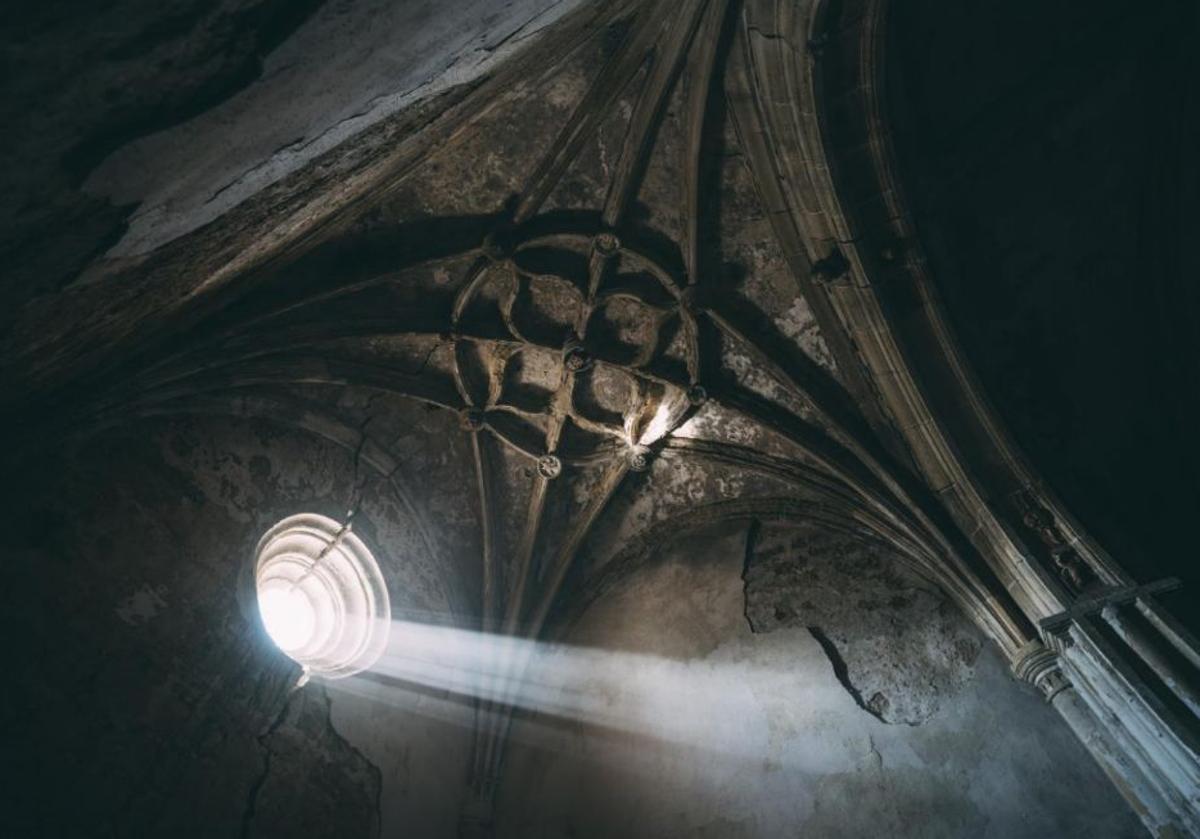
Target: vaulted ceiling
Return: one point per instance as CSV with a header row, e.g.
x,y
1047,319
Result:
x,y
637,285
599,258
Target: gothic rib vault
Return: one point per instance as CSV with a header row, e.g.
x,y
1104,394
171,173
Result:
x,y
554,258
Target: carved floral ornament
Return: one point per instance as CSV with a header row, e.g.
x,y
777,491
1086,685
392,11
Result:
x,y
609,326
1067,562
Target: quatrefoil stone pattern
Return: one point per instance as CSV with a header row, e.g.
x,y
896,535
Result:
x,y
569,342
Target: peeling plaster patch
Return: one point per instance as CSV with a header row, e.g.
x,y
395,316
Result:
x,y
566,89
686,486
584,487
896,643
223,477
303,743
715,423
693,429
731,486
662,188
799,324
484,167
585,182
678,486
843,674
143,605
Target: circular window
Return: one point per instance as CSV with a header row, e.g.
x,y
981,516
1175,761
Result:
x,y
321,596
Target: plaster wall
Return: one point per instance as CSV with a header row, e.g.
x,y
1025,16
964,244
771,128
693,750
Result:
x,y
713,730
163,707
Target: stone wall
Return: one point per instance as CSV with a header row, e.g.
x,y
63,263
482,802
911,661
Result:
x,y
727,684
144,697
749,682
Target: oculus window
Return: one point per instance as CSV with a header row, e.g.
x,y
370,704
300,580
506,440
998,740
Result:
x,y
321,596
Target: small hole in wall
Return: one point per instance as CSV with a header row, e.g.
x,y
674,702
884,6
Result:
x,y
321,596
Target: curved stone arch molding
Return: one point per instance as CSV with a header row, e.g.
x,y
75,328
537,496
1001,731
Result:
x,y
780,103
774,489
320,422
300,370
768,508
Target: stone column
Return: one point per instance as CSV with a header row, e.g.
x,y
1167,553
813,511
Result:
x,y
1043,668
1149,649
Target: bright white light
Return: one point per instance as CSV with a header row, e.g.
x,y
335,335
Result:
x,y
288,615
695,702
659,425
321,596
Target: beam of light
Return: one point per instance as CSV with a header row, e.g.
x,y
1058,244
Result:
x,y
702,703
664,418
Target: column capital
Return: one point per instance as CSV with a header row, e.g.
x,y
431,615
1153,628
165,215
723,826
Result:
x,y
1040,666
